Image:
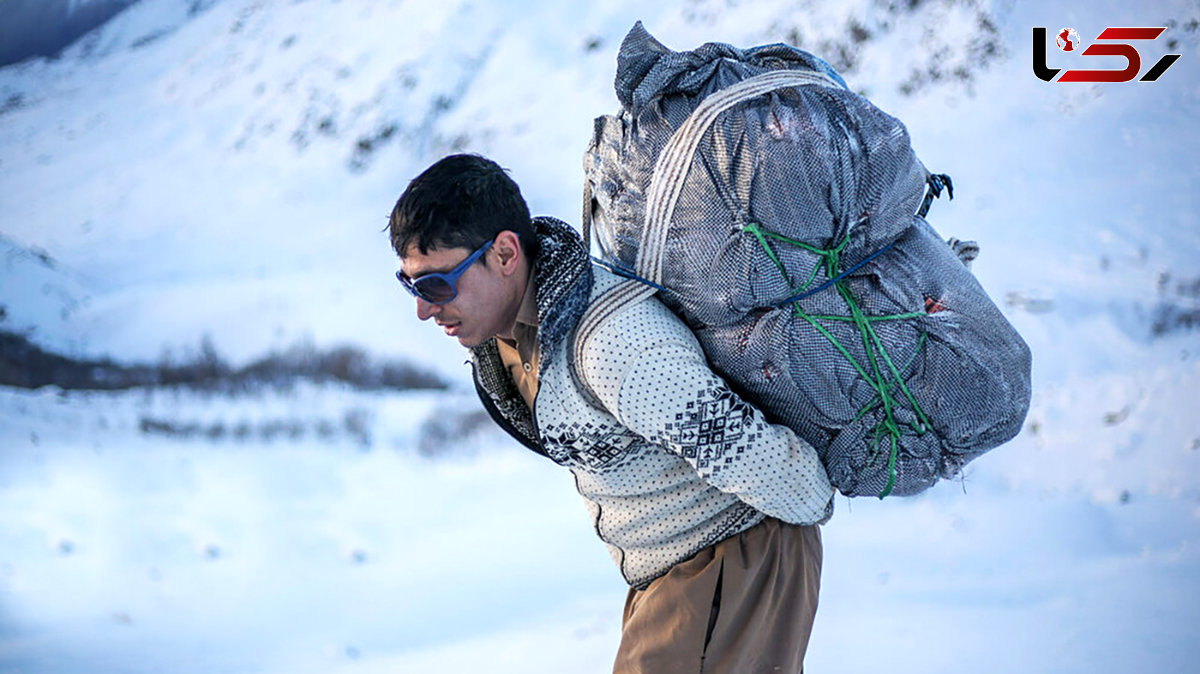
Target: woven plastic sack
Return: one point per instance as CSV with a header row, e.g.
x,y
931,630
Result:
x,y
744,185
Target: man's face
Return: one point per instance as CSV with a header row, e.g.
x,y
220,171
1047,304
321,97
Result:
x,y
488,297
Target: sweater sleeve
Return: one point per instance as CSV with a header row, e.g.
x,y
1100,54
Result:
x,y
666,392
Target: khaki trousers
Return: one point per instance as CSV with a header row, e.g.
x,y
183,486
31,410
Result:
x,y
743,606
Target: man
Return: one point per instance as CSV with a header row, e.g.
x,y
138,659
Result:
x,y
708,510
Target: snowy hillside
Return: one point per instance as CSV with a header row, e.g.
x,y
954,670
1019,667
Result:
x,y
219,173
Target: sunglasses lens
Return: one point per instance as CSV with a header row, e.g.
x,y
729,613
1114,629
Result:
x,y
434,289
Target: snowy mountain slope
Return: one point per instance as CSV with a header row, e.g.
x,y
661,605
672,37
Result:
x,y
187,144
226,168
39,295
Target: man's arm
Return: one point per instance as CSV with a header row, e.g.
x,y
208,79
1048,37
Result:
x,y
649,371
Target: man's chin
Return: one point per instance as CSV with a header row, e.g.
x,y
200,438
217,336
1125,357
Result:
x,y
454,332
468,342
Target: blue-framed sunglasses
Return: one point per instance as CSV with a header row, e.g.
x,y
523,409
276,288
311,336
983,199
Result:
x,y
438,287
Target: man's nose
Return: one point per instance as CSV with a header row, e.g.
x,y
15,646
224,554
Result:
x,y
426,309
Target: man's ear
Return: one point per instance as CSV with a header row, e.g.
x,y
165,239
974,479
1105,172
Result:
x,y
508,251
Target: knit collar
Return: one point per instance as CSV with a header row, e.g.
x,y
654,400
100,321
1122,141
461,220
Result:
x,y
563,274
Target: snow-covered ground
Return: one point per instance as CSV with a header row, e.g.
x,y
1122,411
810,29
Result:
x,y
224,169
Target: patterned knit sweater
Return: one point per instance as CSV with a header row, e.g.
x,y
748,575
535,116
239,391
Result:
x,y
667,458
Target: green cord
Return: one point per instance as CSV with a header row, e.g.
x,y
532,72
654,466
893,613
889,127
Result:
x,y
872,345
871,404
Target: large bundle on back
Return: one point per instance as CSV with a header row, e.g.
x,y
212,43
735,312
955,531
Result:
x,y
777,212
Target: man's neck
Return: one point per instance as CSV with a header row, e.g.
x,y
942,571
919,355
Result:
x,y
525,304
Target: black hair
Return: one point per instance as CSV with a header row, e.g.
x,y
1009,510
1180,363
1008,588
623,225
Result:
x,y
461,201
